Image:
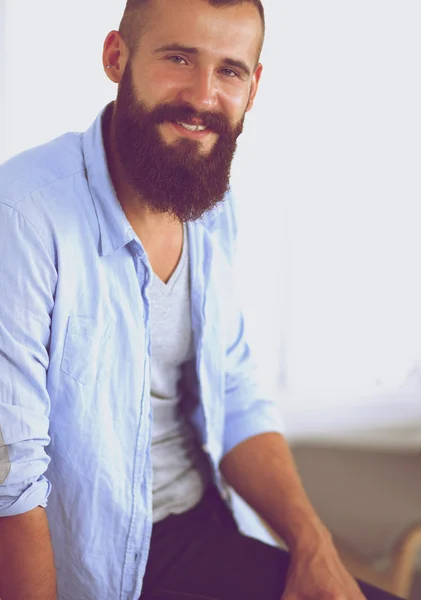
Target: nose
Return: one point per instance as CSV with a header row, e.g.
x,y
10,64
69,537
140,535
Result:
x,y
200,91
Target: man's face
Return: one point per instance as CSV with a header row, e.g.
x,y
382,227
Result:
x,y
182,101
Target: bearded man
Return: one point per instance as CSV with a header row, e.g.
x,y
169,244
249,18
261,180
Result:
x,y
129,400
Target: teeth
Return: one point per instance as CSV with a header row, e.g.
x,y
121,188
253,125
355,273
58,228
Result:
x,y
192,127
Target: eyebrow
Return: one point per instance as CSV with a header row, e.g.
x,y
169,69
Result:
x,y
232,62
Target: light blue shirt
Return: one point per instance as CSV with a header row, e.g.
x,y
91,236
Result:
x,y
75,410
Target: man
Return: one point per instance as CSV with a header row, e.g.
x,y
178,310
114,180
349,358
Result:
x,y
128,396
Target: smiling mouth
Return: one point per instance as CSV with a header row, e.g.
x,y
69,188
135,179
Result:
x,y
192,131
192,127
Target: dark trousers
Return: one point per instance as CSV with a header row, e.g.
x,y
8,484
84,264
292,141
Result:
x,y
201,555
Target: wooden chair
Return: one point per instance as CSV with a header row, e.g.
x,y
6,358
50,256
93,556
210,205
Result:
x,y
399,576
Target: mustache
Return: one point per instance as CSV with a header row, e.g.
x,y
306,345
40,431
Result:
x,y
219,123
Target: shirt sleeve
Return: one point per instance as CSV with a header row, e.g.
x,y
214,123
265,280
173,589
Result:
x,y
27,284
250,408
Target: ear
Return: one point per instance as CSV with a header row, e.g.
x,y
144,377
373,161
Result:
x,y
115,56
254,86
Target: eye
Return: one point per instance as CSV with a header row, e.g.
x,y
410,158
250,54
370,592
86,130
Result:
x,y
178,60
229,72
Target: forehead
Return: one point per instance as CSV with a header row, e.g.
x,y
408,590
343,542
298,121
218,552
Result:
x,y
234,31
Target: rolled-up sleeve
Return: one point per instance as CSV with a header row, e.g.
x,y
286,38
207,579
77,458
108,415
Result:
x,y
250,409
27,283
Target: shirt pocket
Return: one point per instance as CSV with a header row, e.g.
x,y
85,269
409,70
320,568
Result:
x,y
85,348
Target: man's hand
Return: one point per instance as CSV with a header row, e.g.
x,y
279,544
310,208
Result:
x,y
320,575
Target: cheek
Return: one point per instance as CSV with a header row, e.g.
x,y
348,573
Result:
x,y
157,87
164,82
234,102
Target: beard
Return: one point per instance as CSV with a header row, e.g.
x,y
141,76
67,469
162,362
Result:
x,y
176,179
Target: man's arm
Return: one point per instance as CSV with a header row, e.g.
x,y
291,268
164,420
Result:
x,y
28,279
262,470
26,557
259,466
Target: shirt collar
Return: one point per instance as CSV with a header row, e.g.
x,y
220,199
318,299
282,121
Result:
x,y
115,229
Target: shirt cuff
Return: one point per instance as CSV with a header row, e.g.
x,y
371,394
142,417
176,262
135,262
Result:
x,y
263,417
35,495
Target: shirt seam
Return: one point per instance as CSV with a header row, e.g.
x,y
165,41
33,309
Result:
x,y
38,189
15,210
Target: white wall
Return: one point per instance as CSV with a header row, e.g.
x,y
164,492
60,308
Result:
x,y
335,151
54,77
327,177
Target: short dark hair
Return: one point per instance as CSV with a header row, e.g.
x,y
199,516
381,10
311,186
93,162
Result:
x,y
131,26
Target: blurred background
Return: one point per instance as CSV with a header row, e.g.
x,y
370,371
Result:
x,y
328,186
